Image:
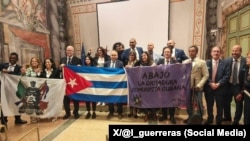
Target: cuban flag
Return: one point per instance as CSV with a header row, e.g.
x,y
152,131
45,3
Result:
x,y
96,84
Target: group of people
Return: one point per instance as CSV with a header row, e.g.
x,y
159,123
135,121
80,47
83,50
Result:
x,y
230,82
214,77
34,69
221,81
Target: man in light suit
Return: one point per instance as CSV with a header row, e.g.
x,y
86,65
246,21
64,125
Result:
x,y
178,54
70,59
167,61
114,63
235,88
138,50
199,76
14,69
156,57
216,85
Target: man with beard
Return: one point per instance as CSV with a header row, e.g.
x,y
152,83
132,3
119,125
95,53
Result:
x,y
237,65
178,54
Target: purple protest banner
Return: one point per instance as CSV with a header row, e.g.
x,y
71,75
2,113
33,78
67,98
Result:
x,y
159,86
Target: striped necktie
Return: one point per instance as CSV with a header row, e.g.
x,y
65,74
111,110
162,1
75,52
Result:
x,y
235,72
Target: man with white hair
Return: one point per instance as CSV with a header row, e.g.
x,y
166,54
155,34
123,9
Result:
x,y
70,59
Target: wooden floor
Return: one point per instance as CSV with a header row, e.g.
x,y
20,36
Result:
x,y
75,130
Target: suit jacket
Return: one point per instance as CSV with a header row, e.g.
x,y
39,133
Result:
x,y
199,72
125,54
106,58
180,55
55,74
246,80
118,64
222,75
162,61
157,57
242,69
74,61
17,69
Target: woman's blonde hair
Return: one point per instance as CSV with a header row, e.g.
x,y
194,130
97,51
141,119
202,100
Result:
x,y
38,61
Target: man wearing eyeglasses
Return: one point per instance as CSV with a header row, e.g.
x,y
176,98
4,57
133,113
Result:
x,y
70,59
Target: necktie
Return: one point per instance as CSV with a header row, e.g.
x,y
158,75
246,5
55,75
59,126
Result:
x,y
113,64
69,60
167,62
215,66
235,72
152,57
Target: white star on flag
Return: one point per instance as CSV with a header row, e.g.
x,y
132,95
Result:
x,y
72,82
75,82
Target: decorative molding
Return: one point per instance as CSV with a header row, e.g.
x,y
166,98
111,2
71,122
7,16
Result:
x,y
176,0
76,28
76,11
236,6
199,8
211,26
88,6
78,1
81,7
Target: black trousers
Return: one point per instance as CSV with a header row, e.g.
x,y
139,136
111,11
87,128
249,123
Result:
x,y
4,119
233,90
211,97
66,104
246,110
170,110
93,106
112,108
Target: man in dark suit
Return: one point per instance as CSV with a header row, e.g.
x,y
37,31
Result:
x,y
235,85
114,63
178,54
15,69
138,51
216,85
70,59
167,51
